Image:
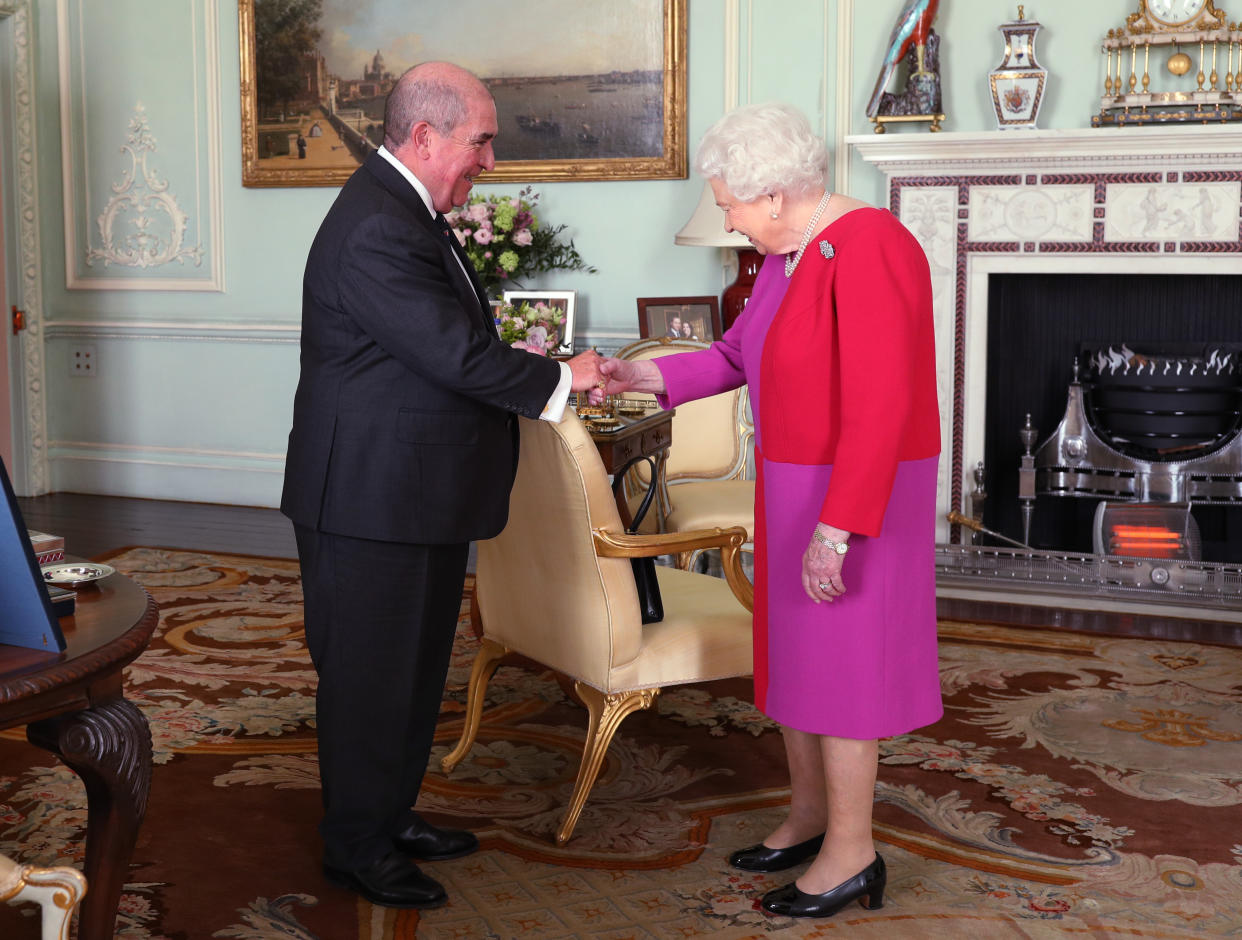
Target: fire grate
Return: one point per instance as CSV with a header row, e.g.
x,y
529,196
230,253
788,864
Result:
x,y
1171,581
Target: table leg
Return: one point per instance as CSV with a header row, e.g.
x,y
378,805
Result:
x,y
109,747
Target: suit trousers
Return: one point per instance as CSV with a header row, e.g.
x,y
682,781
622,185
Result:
x,y
380,619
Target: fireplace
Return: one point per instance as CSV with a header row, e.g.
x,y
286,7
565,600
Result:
x,y
1150,216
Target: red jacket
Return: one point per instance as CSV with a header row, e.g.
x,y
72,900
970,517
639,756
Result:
x,y
849,366
847,371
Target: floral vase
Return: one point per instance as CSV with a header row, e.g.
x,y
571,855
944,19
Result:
x,y
1018,82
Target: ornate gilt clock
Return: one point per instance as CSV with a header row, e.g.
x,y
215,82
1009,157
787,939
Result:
x,y
1183,32
1173,15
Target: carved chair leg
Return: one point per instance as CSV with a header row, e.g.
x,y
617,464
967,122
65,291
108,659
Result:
x,y
485,663
607,711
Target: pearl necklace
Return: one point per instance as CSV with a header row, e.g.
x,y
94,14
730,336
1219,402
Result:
x,y
791,263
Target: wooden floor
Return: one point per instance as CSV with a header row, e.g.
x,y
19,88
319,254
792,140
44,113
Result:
x,y
98,525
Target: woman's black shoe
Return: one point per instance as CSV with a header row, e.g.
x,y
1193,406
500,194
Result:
x,y
761,858
791,901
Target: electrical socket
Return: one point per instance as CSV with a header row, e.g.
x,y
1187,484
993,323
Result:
x,y
82,361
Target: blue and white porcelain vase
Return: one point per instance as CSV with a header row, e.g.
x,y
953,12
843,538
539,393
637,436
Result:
x,y
1018,82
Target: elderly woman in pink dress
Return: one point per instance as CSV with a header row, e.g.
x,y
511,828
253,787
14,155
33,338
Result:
x,y
837,350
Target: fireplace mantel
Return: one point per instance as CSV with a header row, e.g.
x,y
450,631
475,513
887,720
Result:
x,y
1101,148
1142,200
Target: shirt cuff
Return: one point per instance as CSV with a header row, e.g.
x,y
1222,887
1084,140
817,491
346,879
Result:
x,y
554,410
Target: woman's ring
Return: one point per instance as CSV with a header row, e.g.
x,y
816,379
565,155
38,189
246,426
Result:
x,y
824,587
601,384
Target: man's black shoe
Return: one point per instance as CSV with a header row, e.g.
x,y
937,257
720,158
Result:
x,y
391,882
427,843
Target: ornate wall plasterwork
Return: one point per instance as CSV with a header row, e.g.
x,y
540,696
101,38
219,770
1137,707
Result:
x,y
25,215
142,201
1049,201
134,232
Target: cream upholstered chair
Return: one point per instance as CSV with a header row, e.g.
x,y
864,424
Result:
x,y
557,586
57,890
709,472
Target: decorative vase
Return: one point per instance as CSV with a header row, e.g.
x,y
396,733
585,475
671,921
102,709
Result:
x,y
1018,82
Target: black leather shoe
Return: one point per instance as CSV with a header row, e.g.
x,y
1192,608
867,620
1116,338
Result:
x,y
761,858
791,901
391,882
427,843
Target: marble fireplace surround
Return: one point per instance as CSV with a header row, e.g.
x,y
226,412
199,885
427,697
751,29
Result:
x,y
1108,200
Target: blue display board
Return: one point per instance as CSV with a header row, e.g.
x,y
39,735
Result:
x,y
26,617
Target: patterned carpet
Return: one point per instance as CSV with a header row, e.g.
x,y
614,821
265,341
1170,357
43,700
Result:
x,y
1077,786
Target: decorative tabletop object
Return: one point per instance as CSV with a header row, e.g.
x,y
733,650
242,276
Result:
x,y
1018,82
534,327
1177,29
506,241
914,40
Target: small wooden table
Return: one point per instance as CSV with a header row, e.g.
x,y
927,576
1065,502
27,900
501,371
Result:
x,y
72,705
635,439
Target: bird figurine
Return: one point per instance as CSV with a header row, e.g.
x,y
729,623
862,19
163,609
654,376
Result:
x,y
912,27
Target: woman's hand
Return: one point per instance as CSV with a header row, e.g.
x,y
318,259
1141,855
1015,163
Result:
x,y
821,566
627,375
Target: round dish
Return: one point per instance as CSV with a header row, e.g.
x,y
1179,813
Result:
x,y
70,575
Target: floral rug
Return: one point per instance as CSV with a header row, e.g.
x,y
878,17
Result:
x,y
1077,785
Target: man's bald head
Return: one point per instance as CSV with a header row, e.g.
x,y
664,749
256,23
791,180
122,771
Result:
x,y
435,92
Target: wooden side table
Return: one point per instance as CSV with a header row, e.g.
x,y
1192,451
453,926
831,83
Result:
x,y
634,439
73,706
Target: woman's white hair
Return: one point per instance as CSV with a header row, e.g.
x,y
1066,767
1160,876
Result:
x,y
763,149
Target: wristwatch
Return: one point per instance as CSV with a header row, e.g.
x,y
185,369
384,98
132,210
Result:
x,y
839,547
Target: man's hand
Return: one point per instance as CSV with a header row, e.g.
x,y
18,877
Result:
x,y
585,369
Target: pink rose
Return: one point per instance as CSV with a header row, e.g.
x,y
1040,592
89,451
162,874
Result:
x,y
523,237
483,236
478,212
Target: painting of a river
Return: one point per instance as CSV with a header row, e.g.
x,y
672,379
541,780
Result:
x,y
584,89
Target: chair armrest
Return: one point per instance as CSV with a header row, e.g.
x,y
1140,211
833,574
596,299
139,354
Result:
x,y
729,541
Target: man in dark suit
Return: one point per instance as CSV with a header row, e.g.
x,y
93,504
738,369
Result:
x,y
403,450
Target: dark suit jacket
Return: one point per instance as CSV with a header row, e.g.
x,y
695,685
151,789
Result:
x,y
403,426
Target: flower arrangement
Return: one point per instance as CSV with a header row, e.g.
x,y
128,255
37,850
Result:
x,y
505,241
533,327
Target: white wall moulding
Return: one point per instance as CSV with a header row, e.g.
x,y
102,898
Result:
x,y
1123,200
175,331
238,478
141,181
22,218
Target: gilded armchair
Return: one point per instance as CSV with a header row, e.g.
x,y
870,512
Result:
x,y
709,474
57,890
565,535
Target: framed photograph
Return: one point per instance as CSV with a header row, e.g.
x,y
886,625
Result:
x,y
563,300
585,90
679,318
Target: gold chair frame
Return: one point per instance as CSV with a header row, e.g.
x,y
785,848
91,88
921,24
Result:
x,y
58,890
617,689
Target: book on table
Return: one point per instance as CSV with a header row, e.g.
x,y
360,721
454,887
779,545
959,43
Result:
x,y
47,548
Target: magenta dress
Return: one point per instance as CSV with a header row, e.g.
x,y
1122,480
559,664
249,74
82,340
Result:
x,y
865,665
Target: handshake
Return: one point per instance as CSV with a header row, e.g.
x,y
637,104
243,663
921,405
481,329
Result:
x,y
602,375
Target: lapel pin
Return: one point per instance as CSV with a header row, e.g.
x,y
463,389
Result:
x,y
826,249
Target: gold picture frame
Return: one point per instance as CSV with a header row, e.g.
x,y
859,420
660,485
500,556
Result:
x,y
270,148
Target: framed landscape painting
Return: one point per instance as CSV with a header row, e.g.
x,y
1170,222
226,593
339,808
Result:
x,y
584,89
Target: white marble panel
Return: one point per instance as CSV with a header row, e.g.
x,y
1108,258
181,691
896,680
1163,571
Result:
x,y
1031,213
931,215
1153,212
